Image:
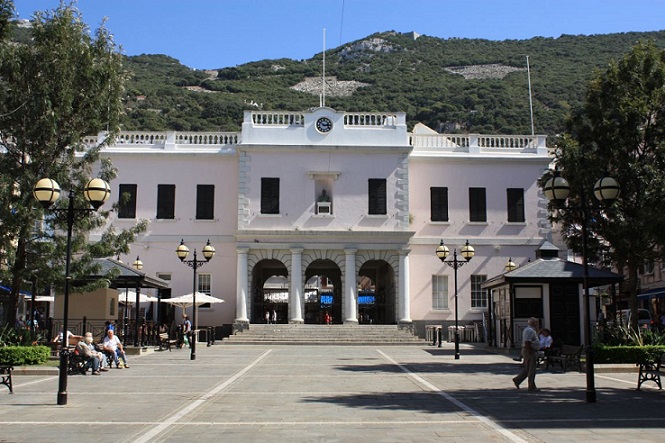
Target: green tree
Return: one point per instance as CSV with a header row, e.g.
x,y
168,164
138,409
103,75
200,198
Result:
x,y
620,132
6,13
63,85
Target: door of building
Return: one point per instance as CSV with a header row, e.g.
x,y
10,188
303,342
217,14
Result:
x,y
565,314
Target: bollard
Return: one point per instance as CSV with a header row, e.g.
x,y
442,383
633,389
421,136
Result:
x,y
208,335
212,336
440,336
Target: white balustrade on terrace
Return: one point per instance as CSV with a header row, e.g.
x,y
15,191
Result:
x,y
167,139
268,118
370,119
453,143
141,138
207,138
479,143
278,118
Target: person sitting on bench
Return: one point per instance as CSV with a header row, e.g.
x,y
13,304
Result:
x,y
113,347
546,340
90,360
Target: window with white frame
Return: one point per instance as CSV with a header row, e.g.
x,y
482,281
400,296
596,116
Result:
x,y
439,292
204,286
478,295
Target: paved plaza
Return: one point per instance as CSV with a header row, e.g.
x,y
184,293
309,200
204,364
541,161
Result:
x,y
329,394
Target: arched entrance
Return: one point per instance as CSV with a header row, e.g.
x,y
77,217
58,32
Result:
x,y
270,291
376,293
323,292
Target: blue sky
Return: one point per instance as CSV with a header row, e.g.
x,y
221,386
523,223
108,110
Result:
x,y
220,33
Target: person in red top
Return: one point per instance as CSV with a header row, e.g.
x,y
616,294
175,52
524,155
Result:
x,y
327,318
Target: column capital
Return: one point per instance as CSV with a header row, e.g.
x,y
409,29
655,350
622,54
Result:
x,y
242,250
404,251
296,250
350,251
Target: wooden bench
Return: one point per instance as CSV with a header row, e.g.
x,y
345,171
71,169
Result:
x,y
6,375
567,357
650,371
165,342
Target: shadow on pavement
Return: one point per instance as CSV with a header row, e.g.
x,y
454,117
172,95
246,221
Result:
x,y
433,368
451,352
547,408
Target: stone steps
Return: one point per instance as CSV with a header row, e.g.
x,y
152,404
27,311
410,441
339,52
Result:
x,y
301,334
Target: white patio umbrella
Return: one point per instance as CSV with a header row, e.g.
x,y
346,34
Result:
x,y
187,300
45,298
130,296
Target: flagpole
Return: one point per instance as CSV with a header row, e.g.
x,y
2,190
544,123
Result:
x,y
323,74
528,74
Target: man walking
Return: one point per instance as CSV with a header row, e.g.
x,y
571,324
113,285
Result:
x,y
530,346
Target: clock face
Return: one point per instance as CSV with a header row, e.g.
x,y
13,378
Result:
x,y
324,125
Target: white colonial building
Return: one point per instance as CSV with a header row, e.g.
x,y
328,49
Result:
x,y
325,211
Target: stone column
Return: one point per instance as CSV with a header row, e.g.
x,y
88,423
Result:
x,y
242,286
404,295
295,293
350,314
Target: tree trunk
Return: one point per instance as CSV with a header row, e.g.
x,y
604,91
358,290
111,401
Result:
x,y
632,299
18,267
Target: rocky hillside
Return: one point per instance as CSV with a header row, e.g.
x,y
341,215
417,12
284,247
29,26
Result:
x,y
466,85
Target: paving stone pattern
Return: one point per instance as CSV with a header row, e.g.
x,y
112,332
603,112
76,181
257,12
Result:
x,y
272,393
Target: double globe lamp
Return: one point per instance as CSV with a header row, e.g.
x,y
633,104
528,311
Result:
x,y
47,192
606,191
208,252
467,252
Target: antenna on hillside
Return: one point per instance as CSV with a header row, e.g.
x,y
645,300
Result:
x,y
323,74
528,74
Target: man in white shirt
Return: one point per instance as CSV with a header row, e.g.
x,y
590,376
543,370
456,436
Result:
x,y
530,346
113,347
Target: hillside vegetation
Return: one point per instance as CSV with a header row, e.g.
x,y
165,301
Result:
x,y
451,85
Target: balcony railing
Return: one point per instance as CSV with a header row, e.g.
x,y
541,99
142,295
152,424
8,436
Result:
x,y
478,143
278,118
370,119
168,139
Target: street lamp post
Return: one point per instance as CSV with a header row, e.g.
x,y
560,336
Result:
x,y
467,252
125,319
208,252
125,324
47,192
606,190
138,265
510,265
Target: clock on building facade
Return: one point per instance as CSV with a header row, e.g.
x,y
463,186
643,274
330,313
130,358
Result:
x,y
324,125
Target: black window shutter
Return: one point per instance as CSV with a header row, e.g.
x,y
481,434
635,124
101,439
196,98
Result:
x,y
127,201
269,195
205,202
166,201
439,204
477,205
377,196
515,205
